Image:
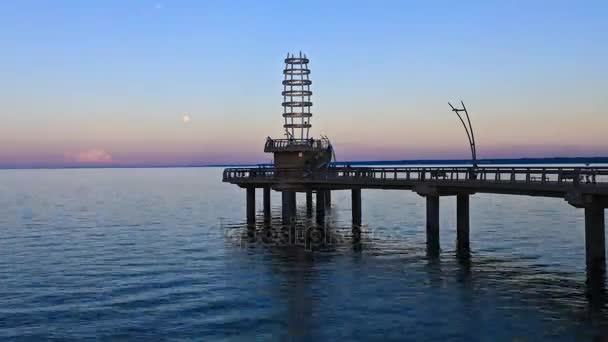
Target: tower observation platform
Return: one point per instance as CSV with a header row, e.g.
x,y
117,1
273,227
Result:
x,y
302,164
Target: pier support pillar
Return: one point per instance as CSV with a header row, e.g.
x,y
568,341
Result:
x,y
462,222
432,224
356,207
595,241
289,206
309,203
328,199
595,244
321,207
250,205
267,204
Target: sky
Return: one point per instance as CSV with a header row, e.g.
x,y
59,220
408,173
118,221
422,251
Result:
x,y
109,82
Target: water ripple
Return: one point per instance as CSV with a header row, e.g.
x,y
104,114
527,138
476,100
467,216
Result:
x,y
164,254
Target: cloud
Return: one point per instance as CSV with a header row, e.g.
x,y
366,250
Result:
x,y
92,156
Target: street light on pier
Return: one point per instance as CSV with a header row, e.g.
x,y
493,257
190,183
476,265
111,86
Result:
x,y
468,128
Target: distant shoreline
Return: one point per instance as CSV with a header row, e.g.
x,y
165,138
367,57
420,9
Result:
x,y
489,161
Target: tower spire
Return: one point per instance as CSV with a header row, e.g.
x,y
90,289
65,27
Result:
x,y
296,97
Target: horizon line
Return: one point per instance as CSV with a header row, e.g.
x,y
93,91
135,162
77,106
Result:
x,y
488,161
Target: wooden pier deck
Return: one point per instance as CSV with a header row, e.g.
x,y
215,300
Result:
x,y
582,187
533,181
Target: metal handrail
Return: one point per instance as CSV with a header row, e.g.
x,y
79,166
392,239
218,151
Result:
x,y
536,175
276,144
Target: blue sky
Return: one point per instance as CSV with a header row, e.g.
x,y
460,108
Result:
x,y
114,78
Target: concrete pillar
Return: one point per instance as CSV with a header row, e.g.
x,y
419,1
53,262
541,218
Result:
x,y
595,245
251,205
462,222
328,199
309,203
432,224
356,207
320,207
289,206
267,214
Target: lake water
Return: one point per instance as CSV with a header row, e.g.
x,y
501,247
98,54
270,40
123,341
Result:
x,y
164,254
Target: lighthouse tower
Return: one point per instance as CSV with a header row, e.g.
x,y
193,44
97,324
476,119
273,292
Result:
x,y
298,149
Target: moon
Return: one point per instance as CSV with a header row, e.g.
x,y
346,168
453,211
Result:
x,y
186,118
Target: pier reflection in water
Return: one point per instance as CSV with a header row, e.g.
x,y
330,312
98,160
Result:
x,y
493,288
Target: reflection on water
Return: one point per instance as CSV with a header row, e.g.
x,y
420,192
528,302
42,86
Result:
x,y
166,254
556,293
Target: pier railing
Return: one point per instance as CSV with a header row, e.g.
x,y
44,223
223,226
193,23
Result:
x,y
536,175
277,145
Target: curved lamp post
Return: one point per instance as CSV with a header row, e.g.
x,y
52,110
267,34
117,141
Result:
x,y
468,129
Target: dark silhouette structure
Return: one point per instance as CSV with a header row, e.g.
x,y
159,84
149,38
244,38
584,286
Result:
x,y
299,154
302,164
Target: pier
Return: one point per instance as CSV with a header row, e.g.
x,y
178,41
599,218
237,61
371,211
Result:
x,y
583,187
304,164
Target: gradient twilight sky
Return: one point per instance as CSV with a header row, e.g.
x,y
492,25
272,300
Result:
x,y
96,82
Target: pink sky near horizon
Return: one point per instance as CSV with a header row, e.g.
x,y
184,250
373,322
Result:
x,y
253,154
435,133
